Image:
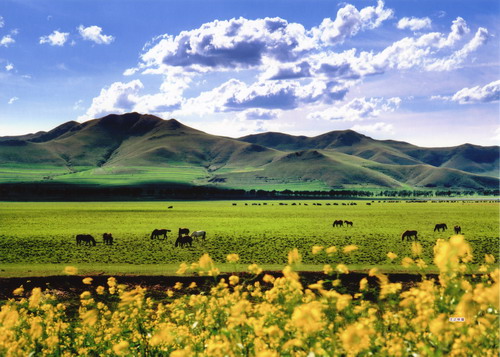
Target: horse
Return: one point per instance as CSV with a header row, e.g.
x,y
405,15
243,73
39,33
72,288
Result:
x,y
348,223
408,234
183,240
440,227
458,229
184,231
85,238
338,223
107,238
160,232
197,234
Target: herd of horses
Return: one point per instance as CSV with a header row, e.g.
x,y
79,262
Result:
x,y
440,227
183,238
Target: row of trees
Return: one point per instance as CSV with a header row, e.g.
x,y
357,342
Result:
x,y
53,191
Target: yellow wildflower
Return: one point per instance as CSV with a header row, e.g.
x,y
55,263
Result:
x,y
19,291
316,249
327,269
308,318
121,348
294,256
232,258
87,281
342,268
350,248
331,250
416,249
234,279
254,269
182,269
69,270
205,262
407,262
392,255
355,338
489,259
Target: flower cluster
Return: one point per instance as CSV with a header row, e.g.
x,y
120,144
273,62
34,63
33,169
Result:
x,y
269,316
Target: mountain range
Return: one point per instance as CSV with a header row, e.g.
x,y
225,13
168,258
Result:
x,y
134,147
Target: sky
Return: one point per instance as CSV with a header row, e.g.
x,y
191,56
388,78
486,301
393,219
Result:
x,y
421,71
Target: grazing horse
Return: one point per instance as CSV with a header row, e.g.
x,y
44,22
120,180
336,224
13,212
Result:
x,y
348,223
440,227
85,238
184,240
107,238
338,223
197,234
184,231
458,230
408,234
157,233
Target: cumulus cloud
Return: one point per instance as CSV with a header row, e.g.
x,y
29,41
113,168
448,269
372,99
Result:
x,y
350,21
414,23
94,34
486,94
358,109
56,38
259,114
379,127
117,98
9,67
7,40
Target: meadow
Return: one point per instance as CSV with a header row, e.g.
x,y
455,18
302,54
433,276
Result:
x,y
39,238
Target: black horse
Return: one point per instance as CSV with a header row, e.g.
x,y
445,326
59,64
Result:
x,y
184,231
338,223
107,238
85,238
348,223
440,227
458,229
408,234
157,233
184,240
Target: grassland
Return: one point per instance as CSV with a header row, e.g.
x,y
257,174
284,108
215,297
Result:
x,y
41,236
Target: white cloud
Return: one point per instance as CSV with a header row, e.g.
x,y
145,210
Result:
x,y
259,114
12,100
358,109
56,38
117,98
7,40
2,22
9,67
486,94
379,127
94,34
414,23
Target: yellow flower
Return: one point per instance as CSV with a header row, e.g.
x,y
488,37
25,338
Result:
x,y
355,338
121,348
234,279
331,250
363,283
232,258
192,285
254,269
327,269
36,295
350,248
309,317
69,270
416,249
178,285
268,278
100,290
205,262
90,317
489,259
392,255
36,328
294,256
342,268
316,249
87,281
182,269
406,262
19,291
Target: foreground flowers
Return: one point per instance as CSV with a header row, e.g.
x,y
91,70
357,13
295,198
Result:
x,y
270,316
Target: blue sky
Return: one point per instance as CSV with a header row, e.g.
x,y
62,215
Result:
x,y
426,72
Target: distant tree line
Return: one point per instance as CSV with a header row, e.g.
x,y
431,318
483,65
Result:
x,y
68,192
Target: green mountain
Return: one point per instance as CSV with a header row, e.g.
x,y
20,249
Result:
x,y
135,148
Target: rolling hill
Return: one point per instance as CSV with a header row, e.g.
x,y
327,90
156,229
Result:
x,y
132,148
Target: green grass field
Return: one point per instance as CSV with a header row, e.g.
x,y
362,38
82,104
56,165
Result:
x,y
40,237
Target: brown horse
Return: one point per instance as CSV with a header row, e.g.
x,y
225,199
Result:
x,y
408,234
338,223
184,240
348,223
157,233
107,238
85,238
440,227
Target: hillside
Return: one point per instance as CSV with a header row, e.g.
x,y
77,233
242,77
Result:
x,y
132,148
